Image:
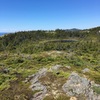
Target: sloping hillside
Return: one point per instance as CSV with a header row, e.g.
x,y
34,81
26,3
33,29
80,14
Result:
x,y
42,65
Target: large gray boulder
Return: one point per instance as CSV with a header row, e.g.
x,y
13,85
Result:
x,y
76,85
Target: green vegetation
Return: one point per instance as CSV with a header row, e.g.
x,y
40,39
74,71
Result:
x,y
24,53
96,89
61,97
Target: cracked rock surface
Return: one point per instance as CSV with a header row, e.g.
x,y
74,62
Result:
x,y
76,86
46,84
37,86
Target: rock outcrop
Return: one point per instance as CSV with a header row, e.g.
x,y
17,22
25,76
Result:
x,y
45,83
76,86
36,86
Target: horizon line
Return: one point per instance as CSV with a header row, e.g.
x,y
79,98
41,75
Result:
x,y
14,31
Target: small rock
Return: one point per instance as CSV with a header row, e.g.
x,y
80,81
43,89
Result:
x,y
56,67
68,67
5,71
86,70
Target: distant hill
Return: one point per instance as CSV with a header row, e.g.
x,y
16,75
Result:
x,y
73,29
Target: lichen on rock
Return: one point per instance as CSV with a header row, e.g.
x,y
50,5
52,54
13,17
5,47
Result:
x,y
76,85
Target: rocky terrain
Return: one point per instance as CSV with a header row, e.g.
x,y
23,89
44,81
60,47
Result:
x,y
50,65
74,87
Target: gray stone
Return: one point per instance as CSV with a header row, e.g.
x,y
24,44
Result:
x,y
36,84
68,67
55,68
86,70
5,71
76,85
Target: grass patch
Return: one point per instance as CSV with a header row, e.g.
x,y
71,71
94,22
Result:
x,y
96,89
